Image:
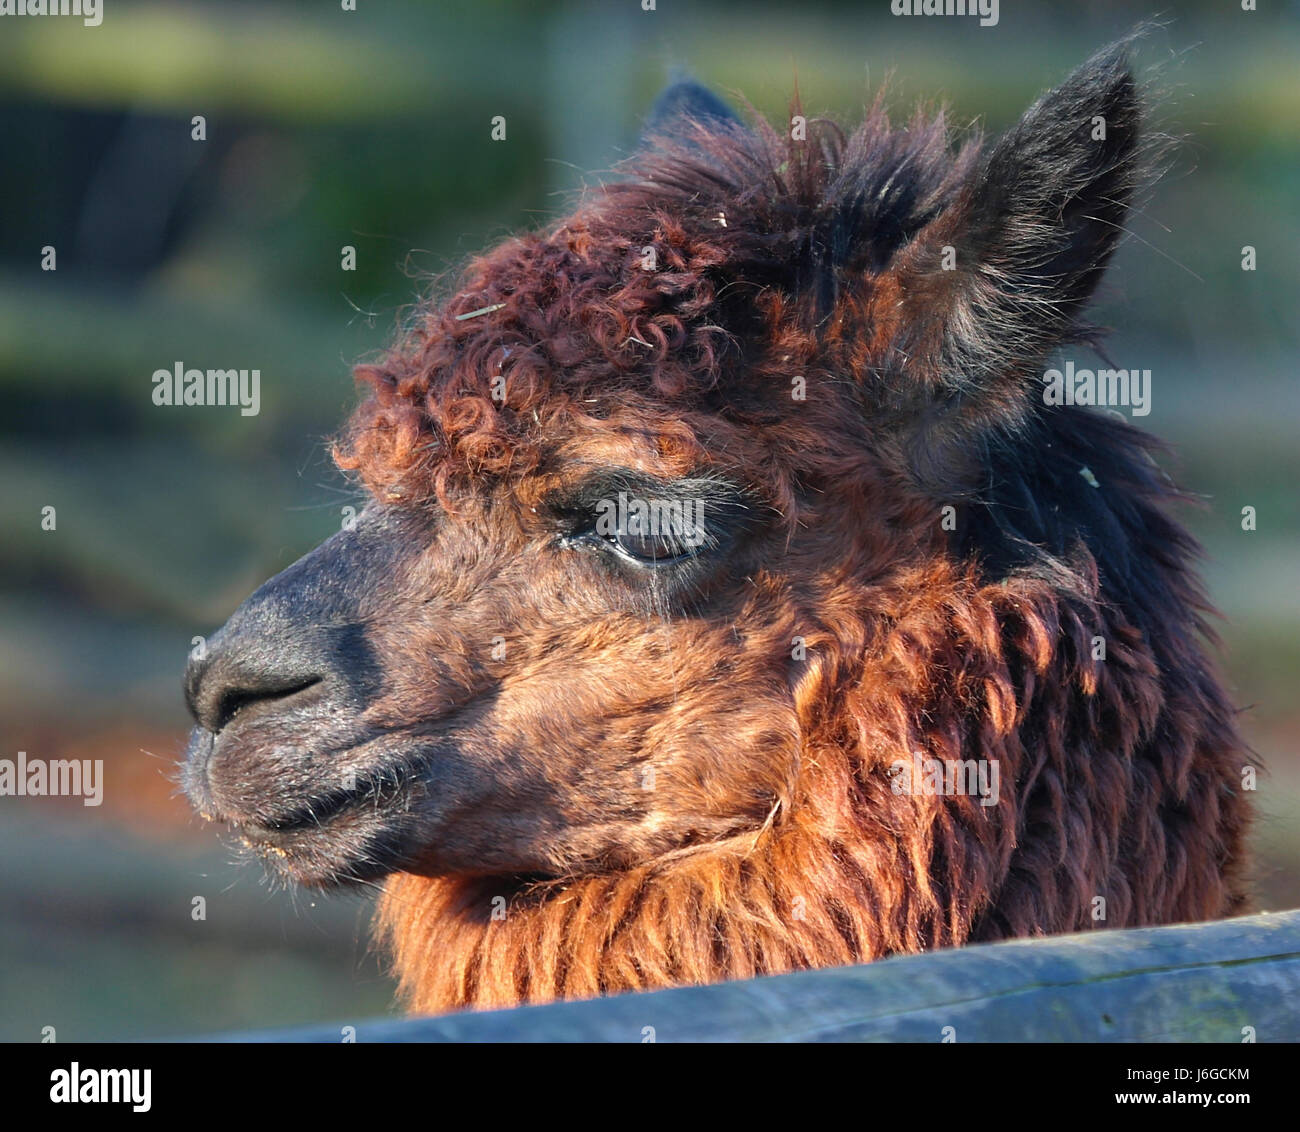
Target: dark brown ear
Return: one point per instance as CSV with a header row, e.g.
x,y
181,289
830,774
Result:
x,y
1001,275
682,104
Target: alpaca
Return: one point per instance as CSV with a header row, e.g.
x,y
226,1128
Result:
x,y
731,600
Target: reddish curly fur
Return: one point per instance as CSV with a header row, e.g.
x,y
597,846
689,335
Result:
x,y
1120,777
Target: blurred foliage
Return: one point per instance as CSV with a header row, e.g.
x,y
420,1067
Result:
x,y
328,128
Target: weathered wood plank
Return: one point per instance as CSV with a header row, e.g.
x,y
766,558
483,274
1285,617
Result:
x,y
1192,982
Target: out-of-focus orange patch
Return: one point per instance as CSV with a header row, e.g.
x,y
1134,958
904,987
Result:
x,y
139,781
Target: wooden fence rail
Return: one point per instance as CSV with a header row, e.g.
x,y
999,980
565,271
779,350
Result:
x,y
1225,981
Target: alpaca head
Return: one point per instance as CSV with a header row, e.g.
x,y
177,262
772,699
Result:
x,y
648,488
634,486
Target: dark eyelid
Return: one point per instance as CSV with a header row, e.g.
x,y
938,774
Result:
x,y
578,500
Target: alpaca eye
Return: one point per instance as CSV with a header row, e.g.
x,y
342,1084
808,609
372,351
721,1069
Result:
x,y
656,548
645,522
650,535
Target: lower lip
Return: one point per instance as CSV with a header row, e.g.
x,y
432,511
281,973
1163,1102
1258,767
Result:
x,y
319,855
284,832
301,841
343,814
264,847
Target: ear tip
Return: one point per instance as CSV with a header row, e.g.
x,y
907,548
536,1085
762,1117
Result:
x,y
685,100
1104,85
1110,72
1110,67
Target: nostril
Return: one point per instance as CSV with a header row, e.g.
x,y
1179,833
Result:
x,y
259,662
232,701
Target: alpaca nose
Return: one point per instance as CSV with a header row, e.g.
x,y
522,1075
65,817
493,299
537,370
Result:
x,y
234,675
300,629
273,647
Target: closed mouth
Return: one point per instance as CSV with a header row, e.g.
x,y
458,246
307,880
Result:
x,y
311,816
335,840
360,829
312,813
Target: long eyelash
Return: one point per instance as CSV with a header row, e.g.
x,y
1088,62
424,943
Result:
x,y
667,589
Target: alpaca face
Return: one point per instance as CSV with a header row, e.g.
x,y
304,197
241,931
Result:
x,y
589,670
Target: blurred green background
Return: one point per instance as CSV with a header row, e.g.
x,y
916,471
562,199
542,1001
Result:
x,y
371,128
